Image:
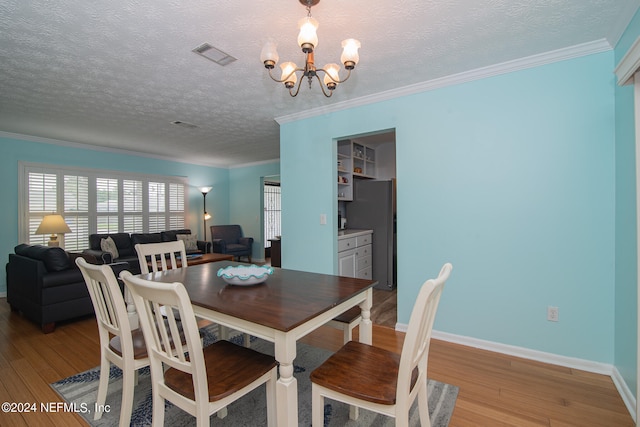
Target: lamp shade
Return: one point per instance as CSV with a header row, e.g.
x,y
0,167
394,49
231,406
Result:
x,y
269,53
350,52
331,77
53,224
288,75
308,38
205,190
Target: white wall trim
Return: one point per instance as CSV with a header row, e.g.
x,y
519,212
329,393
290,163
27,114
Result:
x,y
80,145
540,356
629,64
625,392
3,294
576,51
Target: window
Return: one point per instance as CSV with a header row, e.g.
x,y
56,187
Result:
x,y
272,211
94,201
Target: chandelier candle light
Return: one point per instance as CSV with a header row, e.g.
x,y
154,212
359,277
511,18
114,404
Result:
x,y
308,41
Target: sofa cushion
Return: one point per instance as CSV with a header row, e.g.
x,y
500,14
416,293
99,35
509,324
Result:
x,y
108,245
190,241
172,235
53,257
122,241
145,238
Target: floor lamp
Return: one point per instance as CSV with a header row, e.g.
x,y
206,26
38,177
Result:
x,y
206,216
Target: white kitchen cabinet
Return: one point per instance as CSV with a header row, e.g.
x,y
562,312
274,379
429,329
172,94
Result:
x,y
355,160
354,253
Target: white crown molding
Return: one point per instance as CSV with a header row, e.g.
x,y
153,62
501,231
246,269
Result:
x,y
629,64
263,162
62,143
576,51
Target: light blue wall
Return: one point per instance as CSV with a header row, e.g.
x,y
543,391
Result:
x,y
14,151
510,178
626,303
246,189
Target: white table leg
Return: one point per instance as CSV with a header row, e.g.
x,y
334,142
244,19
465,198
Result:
x,y
366,337
131,309
366,326
287,385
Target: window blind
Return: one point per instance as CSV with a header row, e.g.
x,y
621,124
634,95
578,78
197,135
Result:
x,y
95,201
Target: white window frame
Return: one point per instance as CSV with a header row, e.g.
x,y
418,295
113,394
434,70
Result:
x,y
171,215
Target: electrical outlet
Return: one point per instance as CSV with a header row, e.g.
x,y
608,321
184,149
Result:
x,y
323,219
552,314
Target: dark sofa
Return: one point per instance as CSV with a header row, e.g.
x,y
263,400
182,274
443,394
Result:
x,y
125,243
46,285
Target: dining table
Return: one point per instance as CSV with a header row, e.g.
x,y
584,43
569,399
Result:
x,y
288,305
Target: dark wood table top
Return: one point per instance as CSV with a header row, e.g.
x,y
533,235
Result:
x,y
287,299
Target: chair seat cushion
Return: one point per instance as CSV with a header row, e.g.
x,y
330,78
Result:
x,y
355,370
235,247
349,316
230,367
139,347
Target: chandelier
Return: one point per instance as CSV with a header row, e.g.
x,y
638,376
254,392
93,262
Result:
x,y
308,41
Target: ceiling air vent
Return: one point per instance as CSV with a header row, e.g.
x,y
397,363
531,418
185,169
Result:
x,y
184,124
214,54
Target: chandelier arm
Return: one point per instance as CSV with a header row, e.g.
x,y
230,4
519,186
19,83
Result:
x,y
293,95
322,87
334,80
287,77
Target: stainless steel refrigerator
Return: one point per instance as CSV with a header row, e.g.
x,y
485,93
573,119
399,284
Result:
x,y
374,207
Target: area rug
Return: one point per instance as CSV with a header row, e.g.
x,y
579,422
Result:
x,y
80,391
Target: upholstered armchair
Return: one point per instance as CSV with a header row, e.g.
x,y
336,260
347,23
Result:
x,y
228,239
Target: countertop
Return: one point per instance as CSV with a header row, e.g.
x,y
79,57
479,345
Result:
x,y
352,232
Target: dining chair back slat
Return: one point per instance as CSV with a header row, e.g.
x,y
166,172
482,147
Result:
x,y
154,257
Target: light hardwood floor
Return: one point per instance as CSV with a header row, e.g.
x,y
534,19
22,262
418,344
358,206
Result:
x,y
495,390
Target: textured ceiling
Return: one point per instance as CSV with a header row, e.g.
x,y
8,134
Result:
x,y
117,73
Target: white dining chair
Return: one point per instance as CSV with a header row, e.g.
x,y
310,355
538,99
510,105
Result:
x,y
207,380
153,257
346,322
380,380
119,345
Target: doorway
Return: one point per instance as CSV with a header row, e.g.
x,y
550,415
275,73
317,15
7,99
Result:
x,y
375,208
272,212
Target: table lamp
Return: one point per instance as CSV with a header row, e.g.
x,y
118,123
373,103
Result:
x,y
54,225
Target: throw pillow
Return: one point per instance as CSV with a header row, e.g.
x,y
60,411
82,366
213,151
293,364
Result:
x,y
108,245
190,241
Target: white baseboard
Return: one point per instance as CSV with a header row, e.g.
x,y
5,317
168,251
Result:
x,y
3,294
625,392
540,356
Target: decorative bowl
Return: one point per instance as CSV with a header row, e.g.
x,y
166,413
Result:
x,y
244,275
